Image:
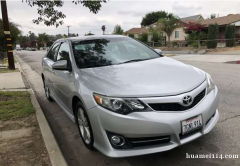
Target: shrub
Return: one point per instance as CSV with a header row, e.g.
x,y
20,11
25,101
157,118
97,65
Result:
x,y
144,38
193,38
131,35
230,34
193,27
213,31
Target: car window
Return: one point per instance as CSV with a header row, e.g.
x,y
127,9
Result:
x,y
111,51
63,53
53,51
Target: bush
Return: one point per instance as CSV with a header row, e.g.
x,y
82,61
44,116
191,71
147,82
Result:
x,y
193,38
131,35
230,34
144,38
213,31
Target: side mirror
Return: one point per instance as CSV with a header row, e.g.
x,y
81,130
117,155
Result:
x,y
158,51
60,65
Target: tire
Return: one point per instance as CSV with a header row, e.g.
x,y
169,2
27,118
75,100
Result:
x,y
84,126
47,91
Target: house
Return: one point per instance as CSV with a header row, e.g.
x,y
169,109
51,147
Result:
x,y
192,18
180,35
137,32
177,35
233,19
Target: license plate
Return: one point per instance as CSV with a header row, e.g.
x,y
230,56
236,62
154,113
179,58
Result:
x,y
191,124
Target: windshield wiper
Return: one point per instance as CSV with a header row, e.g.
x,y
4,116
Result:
x,y
133,60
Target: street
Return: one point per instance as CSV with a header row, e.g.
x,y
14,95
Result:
x,y
223,139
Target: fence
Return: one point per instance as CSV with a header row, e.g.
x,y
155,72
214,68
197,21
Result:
x,y
194,43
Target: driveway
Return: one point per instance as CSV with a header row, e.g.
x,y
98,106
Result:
x,y
223,139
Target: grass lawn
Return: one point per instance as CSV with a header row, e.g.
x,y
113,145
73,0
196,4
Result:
x,y
6,70
15,105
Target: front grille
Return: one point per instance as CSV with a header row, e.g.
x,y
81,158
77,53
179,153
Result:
x,y
147,141
177,106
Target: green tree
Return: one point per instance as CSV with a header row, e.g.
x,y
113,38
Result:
x,y
23,40
50,15
15,33
213,31
168,26
43,38
32,36
153,17
230,34
103,29
118,30
155,33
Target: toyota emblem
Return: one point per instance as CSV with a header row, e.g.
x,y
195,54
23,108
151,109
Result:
x,y
187,100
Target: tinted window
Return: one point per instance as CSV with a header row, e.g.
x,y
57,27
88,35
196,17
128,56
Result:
x,y
103,52
63,53
53,51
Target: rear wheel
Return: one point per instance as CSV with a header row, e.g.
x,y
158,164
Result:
x,y
84,126
47,91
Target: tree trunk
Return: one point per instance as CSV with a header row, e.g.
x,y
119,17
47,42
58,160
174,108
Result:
x,y
168,40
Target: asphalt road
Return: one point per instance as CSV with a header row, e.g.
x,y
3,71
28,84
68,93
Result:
x,y
223,139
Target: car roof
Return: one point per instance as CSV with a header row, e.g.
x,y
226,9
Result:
x,y
92,37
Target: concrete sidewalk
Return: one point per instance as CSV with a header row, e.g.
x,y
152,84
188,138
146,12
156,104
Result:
x,y
16,81
208,58
9,81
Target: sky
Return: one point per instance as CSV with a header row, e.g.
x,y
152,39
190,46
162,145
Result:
x,y
128,14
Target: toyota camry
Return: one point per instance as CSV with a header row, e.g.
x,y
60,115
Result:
x,y
126,98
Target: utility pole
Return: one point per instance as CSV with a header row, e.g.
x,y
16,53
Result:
x,y
68,30
7,34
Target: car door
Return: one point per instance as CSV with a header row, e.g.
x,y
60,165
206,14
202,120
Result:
x,y
63,79
47,63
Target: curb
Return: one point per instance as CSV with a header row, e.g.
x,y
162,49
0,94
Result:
x,y
54,152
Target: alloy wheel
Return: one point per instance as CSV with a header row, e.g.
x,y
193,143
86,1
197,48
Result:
x,y
84,126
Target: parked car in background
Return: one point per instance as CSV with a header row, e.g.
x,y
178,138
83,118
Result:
x,y
31,49
126,98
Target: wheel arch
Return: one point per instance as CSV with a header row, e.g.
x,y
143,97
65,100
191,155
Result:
x,y
75,100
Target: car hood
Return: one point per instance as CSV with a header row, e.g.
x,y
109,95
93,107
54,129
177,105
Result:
x,y
156,77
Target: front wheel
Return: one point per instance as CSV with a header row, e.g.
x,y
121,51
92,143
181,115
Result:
x,y
47,91
84,126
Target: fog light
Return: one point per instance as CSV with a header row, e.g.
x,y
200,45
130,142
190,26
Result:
x,y
117,140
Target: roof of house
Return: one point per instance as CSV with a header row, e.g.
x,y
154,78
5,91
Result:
x,y
137,30
231,18
192,18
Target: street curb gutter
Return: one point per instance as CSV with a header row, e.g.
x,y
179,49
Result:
x,y
55,154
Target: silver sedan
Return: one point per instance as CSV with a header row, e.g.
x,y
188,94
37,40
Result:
x,y
126,98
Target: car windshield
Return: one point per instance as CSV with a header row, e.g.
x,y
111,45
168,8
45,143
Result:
x,y
112,51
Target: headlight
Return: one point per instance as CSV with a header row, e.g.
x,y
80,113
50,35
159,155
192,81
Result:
x,y
210,84
120,105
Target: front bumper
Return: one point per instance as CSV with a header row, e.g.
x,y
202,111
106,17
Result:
x,y
151,124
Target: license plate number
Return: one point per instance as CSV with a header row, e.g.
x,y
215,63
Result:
x,y
191,124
